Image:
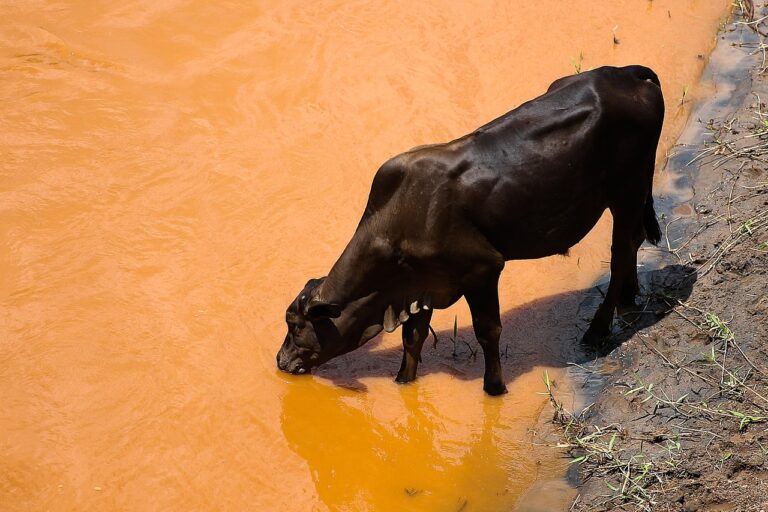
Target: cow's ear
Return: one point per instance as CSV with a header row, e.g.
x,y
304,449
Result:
x,y
318,309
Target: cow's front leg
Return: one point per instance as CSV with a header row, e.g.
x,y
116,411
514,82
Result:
x,y
415,331
484,305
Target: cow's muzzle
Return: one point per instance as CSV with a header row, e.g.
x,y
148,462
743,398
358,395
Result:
x,y
288,361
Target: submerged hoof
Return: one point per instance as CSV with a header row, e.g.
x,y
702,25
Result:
x,y
495,388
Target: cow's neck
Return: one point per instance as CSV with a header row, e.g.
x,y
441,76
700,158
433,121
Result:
x,y
358,272
368,272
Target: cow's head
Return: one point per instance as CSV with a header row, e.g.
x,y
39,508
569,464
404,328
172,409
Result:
x,y
319,330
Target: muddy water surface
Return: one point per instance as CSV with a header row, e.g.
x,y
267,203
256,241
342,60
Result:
x,y
172,173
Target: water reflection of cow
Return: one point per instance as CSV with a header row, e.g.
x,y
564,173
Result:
x,y
442,220
357,460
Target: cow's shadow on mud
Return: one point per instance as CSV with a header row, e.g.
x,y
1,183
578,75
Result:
x,y
545,332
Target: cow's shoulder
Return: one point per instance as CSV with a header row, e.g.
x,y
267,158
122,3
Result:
x,y
389,176
420,163
416,174
440,162
387,180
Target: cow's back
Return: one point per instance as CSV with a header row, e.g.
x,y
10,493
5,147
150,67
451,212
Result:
x,y
528,184
542,175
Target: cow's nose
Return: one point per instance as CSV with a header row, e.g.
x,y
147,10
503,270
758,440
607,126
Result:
x,y
289,365
287,362
283,360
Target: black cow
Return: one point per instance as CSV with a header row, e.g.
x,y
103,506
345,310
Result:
x,y
442,219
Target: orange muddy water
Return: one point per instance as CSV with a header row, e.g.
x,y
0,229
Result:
x,y
173,171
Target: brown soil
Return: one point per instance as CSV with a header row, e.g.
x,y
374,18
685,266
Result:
x,y
682,424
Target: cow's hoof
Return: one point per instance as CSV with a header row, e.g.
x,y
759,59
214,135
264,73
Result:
x,y
627,307
595,335
596,340
495,389
403,379
629,314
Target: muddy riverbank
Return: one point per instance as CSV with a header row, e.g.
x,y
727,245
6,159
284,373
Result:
x,y
682,422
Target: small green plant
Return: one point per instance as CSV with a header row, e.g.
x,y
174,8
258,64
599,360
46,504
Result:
x,y
647,389
673,445
746,419
718,328
684,97
455,340
710,357
763,246
577,63
561,416
747,227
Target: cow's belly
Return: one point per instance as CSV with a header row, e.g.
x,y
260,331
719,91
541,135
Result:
x,y
537,214
536,238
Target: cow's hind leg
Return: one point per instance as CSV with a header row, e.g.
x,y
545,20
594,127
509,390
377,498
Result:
x,y
649,230
484,304
626,239
631,287
415,331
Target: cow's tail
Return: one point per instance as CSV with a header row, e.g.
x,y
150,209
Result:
x,y
644,73
650,223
